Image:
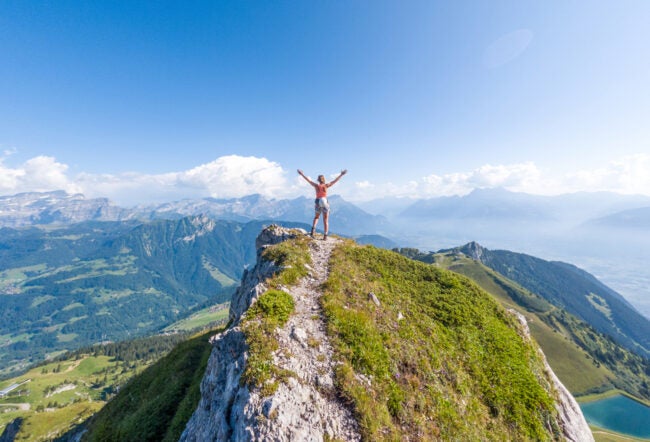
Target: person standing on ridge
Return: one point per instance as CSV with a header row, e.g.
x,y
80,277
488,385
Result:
x,y
320,204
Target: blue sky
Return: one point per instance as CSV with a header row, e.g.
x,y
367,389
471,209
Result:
x,y
159,100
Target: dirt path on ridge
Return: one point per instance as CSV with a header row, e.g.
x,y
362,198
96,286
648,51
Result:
x,y
309,353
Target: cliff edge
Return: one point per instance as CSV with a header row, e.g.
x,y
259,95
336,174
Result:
x,y
329,340
306,406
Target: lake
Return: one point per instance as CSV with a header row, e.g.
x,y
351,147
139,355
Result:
x,y
619,413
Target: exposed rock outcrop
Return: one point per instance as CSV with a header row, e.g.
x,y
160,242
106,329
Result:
x,y
473,250
304,408
572,421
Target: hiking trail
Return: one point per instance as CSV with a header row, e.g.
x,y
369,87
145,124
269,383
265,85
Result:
x,y
306,350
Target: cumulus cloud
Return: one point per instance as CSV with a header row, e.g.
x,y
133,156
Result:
x,y
41,173
628,175
226,177
229,176
236,176
516,177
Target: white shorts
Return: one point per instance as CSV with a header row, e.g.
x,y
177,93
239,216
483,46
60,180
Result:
x,y
321,205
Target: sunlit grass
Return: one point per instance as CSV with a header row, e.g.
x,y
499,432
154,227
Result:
x,y
455,368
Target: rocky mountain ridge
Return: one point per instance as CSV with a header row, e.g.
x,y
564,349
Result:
x,y
58,207
305,407
61,208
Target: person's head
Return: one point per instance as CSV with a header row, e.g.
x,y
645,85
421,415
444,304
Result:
x,y
321,179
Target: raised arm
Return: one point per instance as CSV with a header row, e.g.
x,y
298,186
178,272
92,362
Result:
x,y
331,183
306,178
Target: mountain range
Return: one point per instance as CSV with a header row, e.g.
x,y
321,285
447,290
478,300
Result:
x,y
485,206
56,208
87,265
193,261
498,203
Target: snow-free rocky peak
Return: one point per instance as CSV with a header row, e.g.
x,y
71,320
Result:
x,y
306,405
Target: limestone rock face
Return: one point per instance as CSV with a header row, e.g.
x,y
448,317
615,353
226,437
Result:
x,y
573,423
473,250
56,207
305,407
252,285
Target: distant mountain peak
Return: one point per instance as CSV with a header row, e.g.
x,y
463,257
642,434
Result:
x,y
474,250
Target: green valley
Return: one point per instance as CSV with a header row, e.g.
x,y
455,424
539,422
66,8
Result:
x,y
69,286
53,397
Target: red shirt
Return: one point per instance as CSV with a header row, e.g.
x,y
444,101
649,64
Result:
x,y
321,190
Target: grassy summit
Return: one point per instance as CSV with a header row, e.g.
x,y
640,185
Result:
x,y
455,367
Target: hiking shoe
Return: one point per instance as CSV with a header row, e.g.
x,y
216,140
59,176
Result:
x,y
311,233
325,237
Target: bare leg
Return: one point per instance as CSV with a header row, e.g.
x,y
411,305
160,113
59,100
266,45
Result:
x,y
326,217
313,225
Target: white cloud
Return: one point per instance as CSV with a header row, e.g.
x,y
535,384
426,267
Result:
x,y
628,175
226,177
363,184
517,177
236,176
38,174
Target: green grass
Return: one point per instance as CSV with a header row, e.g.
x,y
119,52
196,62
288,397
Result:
x,y
292,257
67,390
577,371
71,405
601,435
66,337
223,279
209,316
271,310
40,300
584,360
72,306
19,274
454,369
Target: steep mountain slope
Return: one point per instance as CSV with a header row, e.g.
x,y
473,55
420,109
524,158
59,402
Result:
x,y
574,290
415,352
586,361
64,288
156,404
